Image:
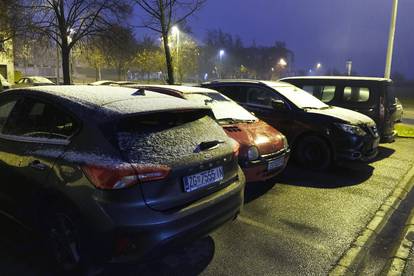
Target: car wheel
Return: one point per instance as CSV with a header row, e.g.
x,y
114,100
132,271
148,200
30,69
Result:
x,y
313,152
64,241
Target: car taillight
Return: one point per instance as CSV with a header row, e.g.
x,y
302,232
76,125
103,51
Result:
x,y
112,178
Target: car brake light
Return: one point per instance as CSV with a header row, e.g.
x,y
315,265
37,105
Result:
x,y
147,173
113,178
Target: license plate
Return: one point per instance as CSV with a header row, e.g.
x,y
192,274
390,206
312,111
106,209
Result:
x,y
202,179
275,163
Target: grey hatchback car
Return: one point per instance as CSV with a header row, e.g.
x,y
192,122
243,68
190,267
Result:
x,y
114,174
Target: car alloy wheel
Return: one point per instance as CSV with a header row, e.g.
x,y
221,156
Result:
x,y
313,152
64,241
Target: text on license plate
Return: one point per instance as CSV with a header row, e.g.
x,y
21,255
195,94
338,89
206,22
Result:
x,y
275,163
202,179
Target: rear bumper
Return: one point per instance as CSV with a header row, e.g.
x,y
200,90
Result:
x,y
257,171
139,232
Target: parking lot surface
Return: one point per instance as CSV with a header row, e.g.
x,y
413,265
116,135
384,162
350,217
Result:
x,y
298,224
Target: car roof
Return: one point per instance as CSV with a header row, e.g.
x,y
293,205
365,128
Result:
x,y
114,99
353,78
249,81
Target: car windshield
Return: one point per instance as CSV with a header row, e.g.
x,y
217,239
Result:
x,y
41,80
224,109
300,98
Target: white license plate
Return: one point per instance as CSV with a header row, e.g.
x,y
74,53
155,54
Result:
x,y
199,180
275,163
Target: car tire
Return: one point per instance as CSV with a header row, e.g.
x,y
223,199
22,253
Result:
x,y
62,232
313,152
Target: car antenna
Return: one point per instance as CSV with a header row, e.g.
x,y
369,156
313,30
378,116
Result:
x,y
139,92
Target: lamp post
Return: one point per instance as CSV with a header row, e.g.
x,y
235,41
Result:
x,y
221,55
176,32
391,37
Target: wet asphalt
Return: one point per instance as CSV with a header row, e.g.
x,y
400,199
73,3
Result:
x,y
297,224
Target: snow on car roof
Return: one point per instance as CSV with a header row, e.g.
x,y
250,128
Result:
x,y
336,78
116,99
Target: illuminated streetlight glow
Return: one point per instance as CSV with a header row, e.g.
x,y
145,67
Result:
x,y
221,53
318,65
175,30
282,62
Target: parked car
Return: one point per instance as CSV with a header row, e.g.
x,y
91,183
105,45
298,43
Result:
x,y
103,82
317,133
33,81
373,97
4,84
264,151
110,173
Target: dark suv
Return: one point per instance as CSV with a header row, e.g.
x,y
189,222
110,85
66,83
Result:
x,y
110,173
373,97
318,133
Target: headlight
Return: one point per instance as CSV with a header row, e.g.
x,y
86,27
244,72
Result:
x,y
252,153
285,142
355,130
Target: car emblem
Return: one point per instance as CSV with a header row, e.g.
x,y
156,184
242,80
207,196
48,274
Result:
x,y
207,156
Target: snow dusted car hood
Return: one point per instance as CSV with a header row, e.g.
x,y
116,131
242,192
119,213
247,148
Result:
x,y
349,116
266,138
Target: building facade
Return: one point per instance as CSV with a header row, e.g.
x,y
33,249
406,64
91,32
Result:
x,y
7,60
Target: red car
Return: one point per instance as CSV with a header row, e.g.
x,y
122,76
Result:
x,y
264,151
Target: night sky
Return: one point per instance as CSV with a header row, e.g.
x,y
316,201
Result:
x,y
326,31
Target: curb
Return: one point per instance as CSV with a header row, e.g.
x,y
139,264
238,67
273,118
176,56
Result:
x,y
396,265
350,260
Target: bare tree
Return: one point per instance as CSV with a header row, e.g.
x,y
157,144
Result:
x,y
67,22
13,20
161,15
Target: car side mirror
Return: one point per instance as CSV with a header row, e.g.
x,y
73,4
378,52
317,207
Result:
x,y
278,105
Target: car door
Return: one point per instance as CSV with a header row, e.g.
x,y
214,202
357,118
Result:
x,y
35,134
260,102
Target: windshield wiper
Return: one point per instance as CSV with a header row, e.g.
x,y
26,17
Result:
x,y
235,120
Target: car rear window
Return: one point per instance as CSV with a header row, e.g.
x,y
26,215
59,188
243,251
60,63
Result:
x,y
166,137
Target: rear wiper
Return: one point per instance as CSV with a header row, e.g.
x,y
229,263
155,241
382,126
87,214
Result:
x,y
234,120
206,145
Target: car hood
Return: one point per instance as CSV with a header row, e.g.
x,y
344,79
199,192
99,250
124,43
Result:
x,y
349,116
266,138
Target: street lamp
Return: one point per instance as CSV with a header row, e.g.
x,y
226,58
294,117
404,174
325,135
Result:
x,y
175,31
318,65
221,55
282,62
390,49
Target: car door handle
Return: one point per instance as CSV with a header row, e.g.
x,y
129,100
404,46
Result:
x,y
37,165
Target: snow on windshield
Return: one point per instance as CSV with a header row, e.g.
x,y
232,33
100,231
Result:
x,y
299,97
222,106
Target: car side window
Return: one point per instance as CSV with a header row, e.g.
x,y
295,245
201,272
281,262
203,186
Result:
x,y
325,93
356,94
38,119
261,97
233,92
5,110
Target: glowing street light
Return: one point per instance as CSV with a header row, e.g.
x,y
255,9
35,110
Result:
x,y
221,54
318,65
282,62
